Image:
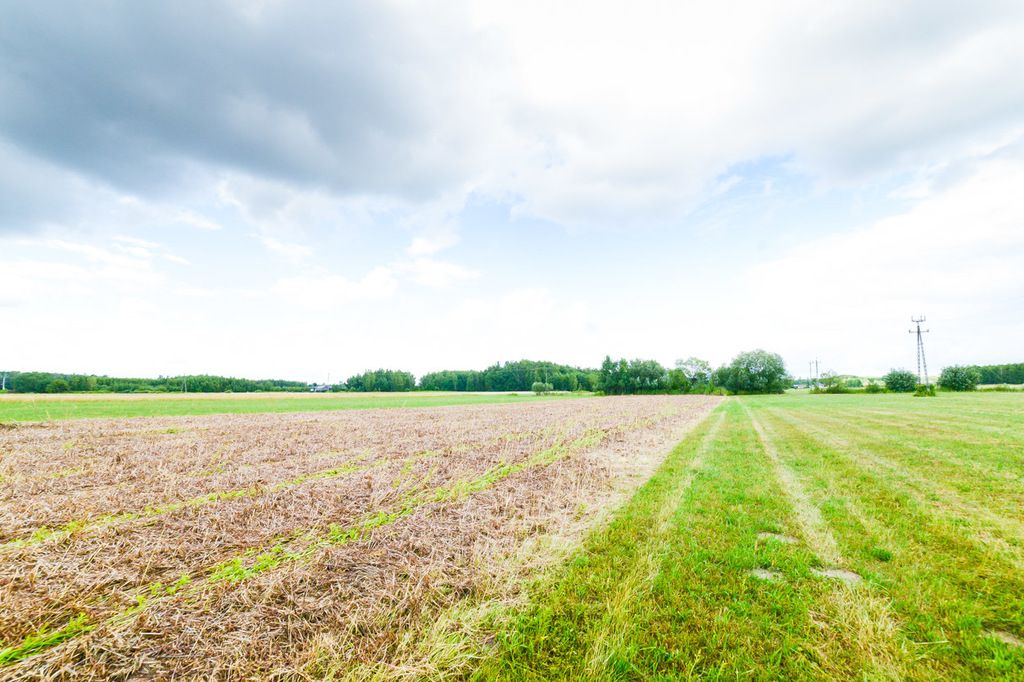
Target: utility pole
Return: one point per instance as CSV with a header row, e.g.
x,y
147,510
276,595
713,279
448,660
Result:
x,y
810,374
3,382
922,364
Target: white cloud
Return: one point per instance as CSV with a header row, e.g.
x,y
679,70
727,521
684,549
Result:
x,y
435,273
295,253
956,256
429,245
627,117
196,220
328,291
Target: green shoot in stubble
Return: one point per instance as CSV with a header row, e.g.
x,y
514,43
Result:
x,y
255,562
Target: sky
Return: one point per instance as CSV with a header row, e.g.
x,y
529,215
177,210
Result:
x,y
309,189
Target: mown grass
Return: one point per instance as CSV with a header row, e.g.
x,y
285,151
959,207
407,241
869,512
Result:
x,y
34,408
879,485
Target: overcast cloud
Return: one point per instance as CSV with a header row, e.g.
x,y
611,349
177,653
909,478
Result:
x,y
634,178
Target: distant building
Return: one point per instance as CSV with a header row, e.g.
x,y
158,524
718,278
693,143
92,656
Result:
x,y
319,388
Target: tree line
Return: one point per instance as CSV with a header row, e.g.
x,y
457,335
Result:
x,y
751,372
51,382
1000,374
519,375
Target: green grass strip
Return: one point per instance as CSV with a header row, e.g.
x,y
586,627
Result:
x,y
44,639
14,409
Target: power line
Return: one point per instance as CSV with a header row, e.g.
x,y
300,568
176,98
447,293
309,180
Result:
x,y
922,364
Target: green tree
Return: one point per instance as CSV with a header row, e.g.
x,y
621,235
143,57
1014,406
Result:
x,y
900,381
958,378
756,371
832,383
678,382
697,371
540,387
58,386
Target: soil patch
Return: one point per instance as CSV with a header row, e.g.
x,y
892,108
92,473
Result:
x,y
848,577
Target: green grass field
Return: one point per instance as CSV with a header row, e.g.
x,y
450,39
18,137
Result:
x,y
15,407
712,569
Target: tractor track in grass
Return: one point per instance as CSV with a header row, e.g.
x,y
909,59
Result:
x,y
613,627
953,454
947,590
875,625
929,493
812,525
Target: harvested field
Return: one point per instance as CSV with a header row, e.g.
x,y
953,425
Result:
x,y
357,543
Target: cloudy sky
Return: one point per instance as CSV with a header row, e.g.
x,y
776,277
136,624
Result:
x,y
309,188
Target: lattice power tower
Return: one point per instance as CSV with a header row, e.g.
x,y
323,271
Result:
x,y
922,364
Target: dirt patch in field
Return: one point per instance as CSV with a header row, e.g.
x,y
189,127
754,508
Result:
x,y
777,537
765,574
343,604
1006,638
848,577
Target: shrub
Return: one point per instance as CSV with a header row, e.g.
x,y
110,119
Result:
x,y
57,386
831,383
541,387
900,381
854,383
923,391
872,387
957,378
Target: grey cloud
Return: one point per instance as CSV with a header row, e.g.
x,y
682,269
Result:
x,y
351,97
411,104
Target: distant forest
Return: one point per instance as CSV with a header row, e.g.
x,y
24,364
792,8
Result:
x,y
513,376
50,382
614,377
1001,374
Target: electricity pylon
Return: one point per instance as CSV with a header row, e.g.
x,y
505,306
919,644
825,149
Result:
x,y
922,364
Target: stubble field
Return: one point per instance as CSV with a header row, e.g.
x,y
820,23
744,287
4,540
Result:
x,y
348,544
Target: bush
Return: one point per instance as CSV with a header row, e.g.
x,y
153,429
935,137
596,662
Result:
x,y
831,383
900,381
922,391
57,386
854,383
541,387
957,378
872,387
